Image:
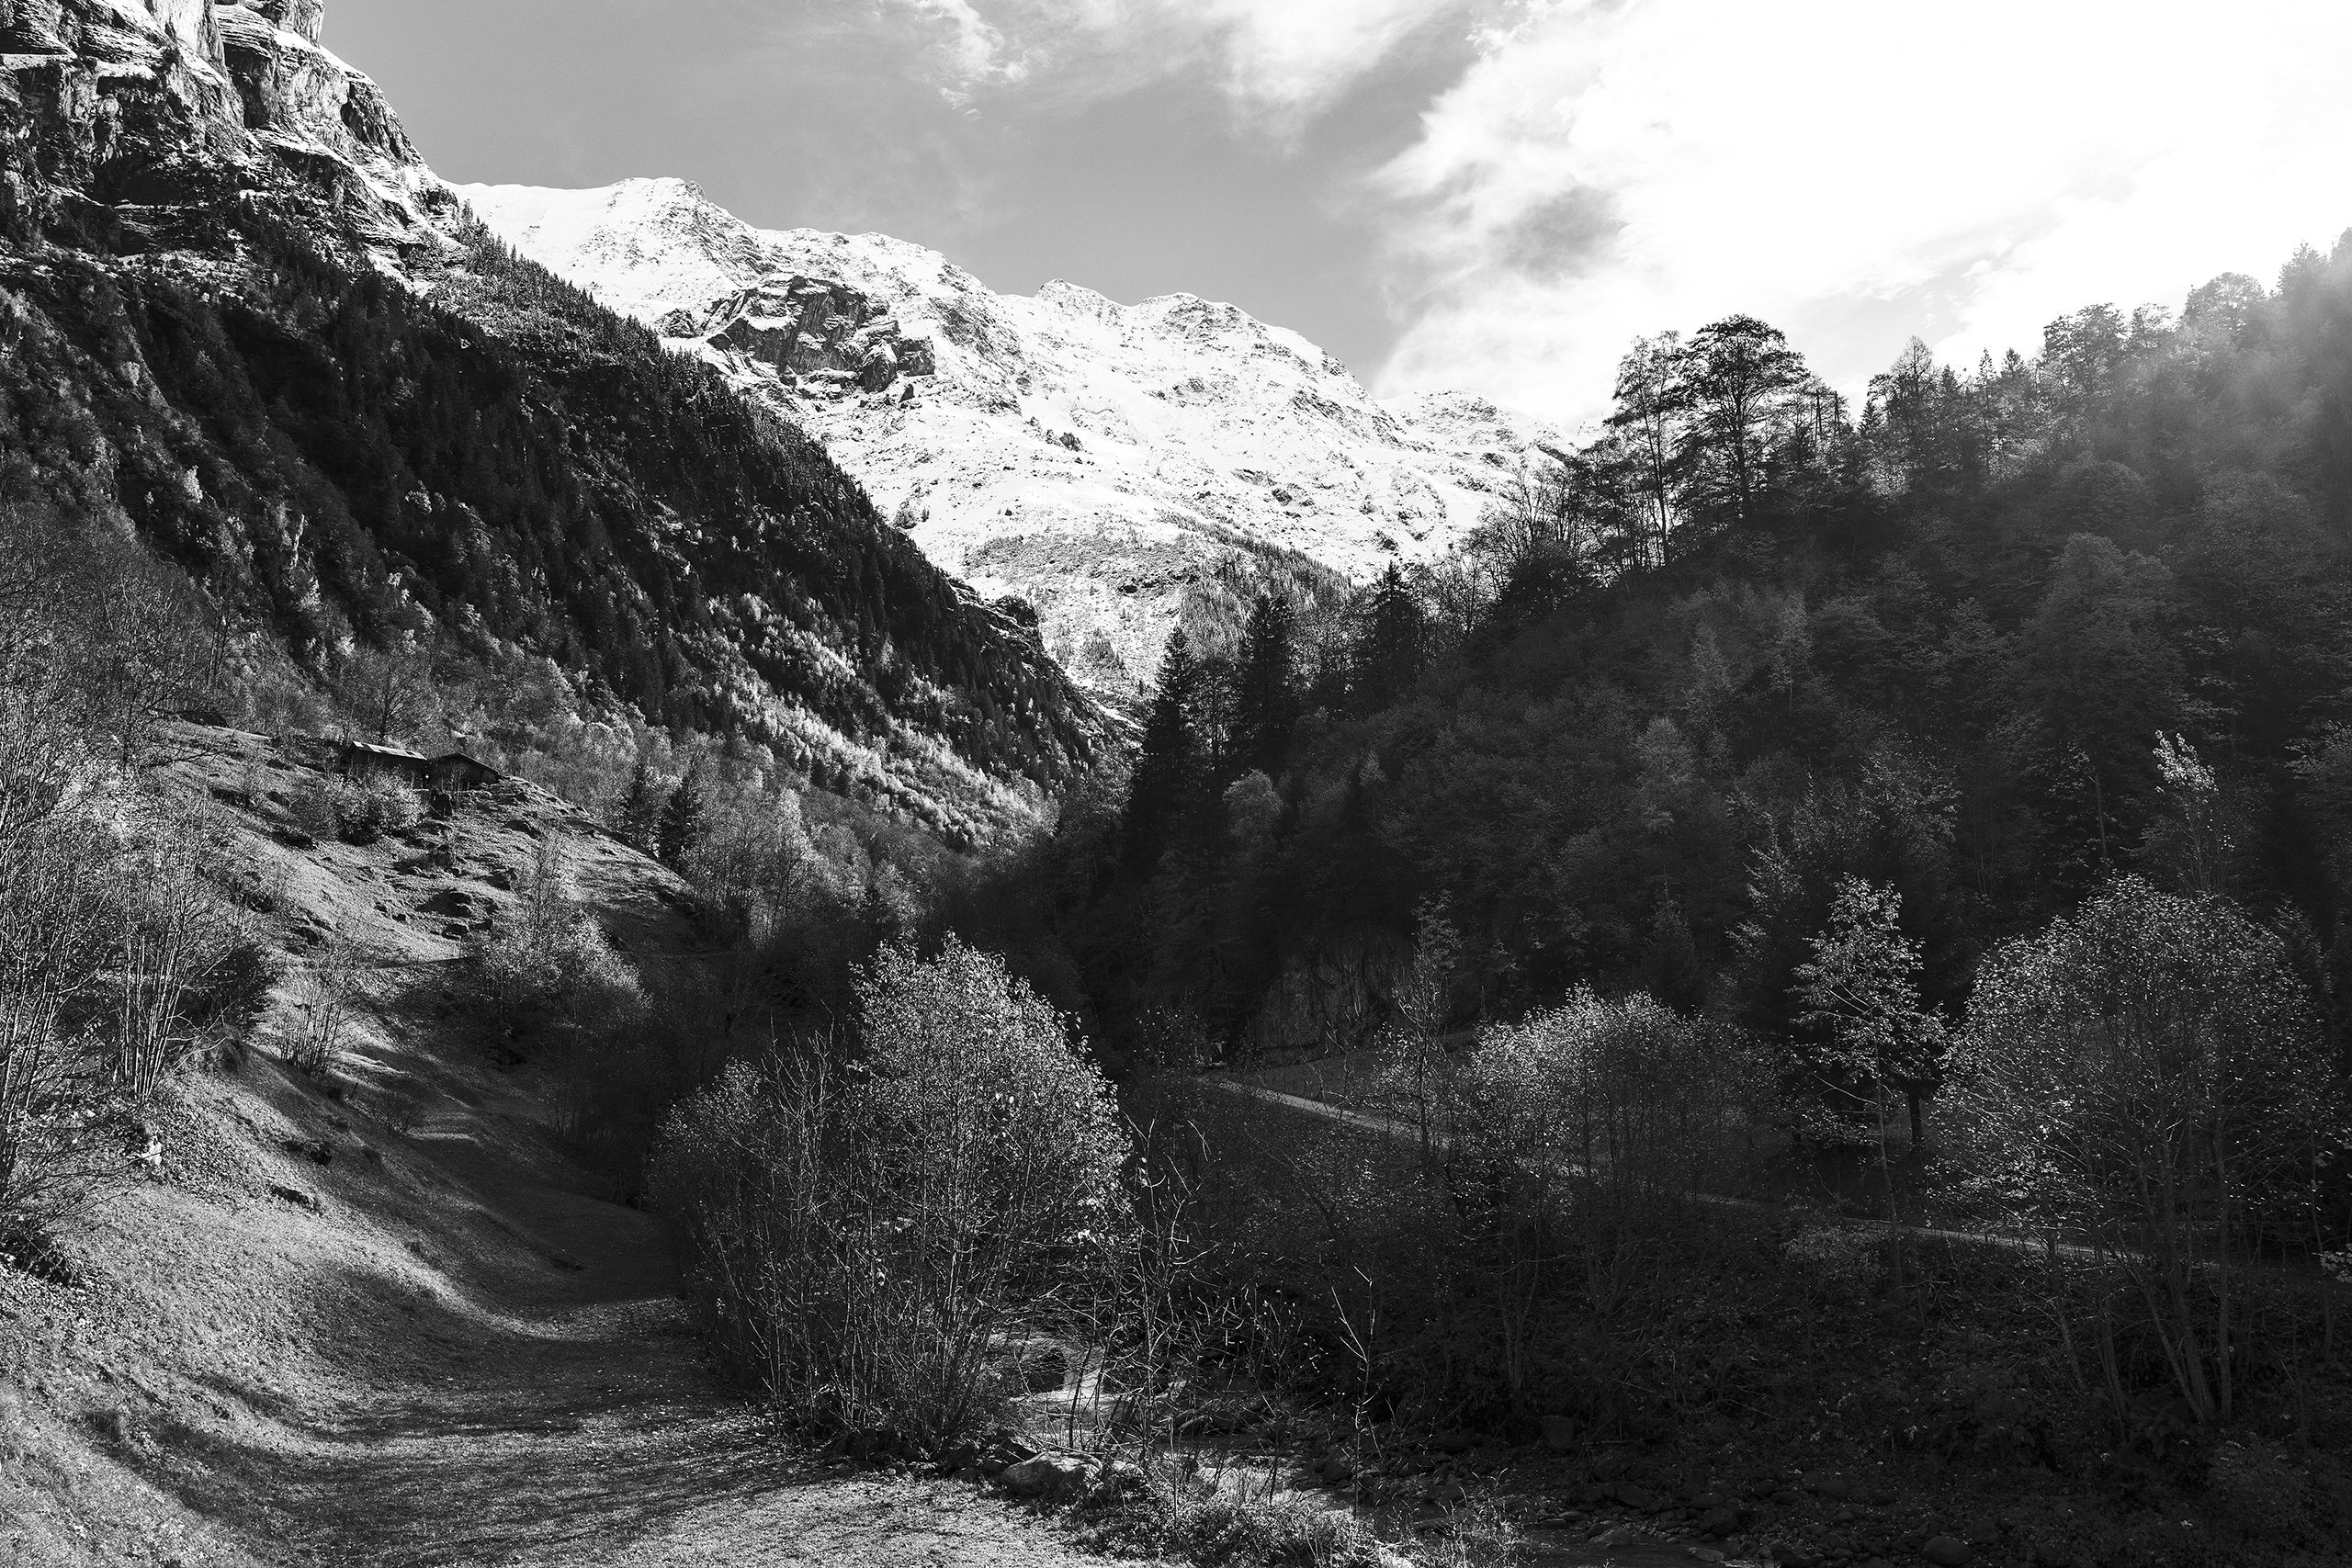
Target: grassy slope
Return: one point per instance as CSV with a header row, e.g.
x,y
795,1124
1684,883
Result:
x,y
466,1352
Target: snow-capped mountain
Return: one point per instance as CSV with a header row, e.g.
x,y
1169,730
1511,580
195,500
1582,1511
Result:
x,y
1096,460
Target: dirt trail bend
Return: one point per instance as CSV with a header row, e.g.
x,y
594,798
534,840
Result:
x,y
572,1419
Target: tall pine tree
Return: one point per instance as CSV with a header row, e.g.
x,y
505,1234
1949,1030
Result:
x,y
1389,649
1169,763
683,819
1265,696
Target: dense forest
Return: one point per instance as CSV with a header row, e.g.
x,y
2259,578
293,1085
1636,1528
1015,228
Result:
x,y
501,486
1999,635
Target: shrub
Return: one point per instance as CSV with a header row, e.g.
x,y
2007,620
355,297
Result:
x,y
549,966
863,1234
311,808
369,808
63,914
329,992
230,997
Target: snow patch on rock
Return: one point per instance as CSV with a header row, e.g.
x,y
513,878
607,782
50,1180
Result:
x,y
1094,458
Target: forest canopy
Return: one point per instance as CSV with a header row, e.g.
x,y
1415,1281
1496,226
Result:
x,y
2002,635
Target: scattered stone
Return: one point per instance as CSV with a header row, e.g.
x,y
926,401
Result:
x,y
1044,1474
1946,1552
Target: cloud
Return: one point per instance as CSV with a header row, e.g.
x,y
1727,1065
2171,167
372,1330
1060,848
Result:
x,y
1282,61
1853,170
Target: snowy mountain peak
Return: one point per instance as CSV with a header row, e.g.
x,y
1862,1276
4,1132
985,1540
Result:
x,y
1099,460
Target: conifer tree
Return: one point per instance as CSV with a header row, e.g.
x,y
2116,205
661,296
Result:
x,y
1388,652
683,819
637,818
1168,763
1265,700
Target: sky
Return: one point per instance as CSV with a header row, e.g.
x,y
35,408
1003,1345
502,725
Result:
x,y
1496,196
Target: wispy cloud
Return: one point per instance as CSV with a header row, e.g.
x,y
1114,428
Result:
x,y
1280,60
1856,170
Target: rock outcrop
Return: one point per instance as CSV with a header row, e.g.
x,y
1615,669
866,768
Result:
x,y
1102,462
125,123
817,338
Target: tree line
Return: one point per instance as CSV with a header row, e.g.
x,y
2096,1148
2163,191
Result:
x,y
1999,636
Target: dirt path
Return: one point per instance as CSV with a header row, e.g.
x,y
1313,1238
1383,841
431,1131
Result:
x,y
570,1418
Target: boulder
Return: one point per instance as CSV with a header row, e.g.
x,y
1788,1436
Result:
x,y
1948,1552
1045,1475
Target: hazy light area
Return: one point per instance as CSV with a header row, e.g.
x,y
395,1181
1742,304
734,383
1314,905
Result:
x,y
1495,195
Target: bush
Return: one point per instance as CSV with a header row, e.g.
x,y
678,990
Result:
x,y
231,995
310,808
367,808
863,1233
329,992
549,967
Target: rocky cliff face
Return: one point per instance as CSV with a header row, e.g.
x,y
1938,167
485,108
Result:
x,y
125,125
1096,460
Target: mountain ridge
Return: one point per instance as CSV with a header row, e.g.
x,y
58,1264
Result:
x,y
1099,460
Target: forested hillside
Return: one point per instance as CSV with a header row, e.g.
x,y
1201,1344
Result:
x,y
393,456
2001,634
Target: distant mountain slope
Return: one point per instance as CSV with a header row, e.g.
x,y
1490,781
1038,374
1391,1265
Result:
x,y
1092,457
242,318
